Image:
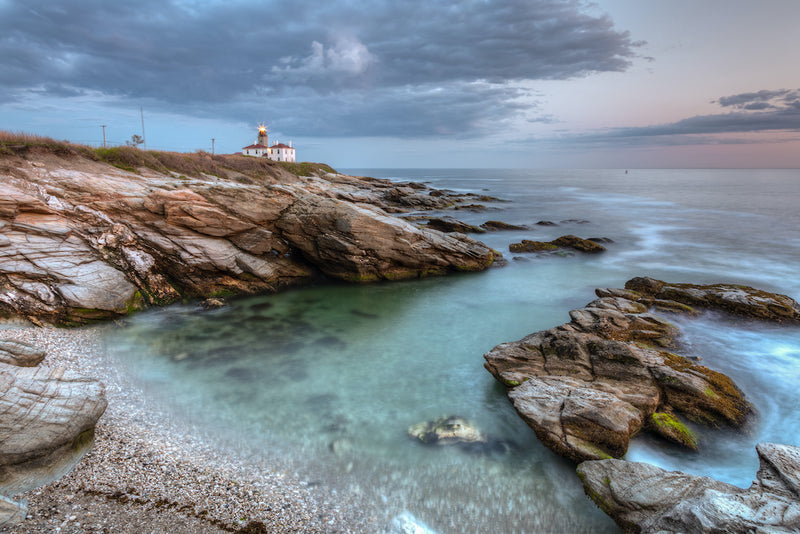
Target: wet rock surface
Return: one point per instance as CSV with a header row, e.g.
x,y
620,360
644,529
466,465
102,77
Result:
x,y
81,240
643,498
449,225
735,299
586,387
496,226
47,420
566,241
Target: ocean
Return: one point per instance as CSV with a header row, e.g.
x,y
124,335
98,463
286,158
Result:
x,y
324,381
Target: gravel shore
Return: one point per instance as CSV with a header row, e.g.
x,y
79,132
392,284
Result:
x,y
148,474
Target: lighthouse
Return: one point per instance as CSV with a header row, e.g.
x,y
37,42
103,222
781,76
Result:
x,y
276,152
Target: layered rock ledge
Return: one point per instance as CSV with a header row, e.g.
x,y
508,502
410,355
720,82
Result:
x,y
82,240
642,498
586,387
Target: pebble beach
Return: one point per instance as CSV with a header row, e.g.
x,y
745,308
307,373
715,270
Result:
x,y
148,473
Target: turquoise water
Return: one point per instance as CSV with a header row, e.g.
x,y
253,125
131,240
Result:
x,y
325,380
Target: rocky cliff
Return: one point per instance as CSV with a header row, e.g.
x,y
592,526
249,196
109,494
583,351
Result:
x,y
81,239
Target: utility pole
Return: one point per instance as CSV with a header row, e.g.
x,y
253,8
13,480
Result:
x,y
103,126
144,139
212,146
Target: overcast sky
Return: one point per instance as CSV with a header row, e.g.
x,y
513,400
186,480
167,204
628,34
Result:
x,y
379,83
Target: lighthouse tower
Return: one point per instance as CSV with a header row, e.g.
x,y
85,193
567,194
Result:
x,y
262,136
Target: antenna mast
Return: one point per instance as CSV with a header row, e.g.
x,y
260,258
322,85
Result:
x,y
144,138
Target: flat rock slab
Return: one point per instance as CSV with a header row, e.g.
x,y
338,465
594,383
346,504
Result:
x,y
735,299
644,498
47,418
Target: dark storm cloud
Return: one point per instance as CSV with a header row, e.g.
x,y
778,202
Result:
x,y
759,100
384,58
463,110
761,111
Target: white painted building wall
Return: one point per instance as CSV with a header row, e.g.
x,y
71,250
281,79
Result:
x,y
281,152
256,151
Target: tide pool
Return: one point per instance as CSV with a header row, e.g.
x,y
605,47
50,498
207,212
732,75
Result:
x,y
324,381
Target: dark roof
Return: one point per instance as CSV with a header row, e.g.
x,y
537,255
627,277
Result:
x,y
256,146
281,145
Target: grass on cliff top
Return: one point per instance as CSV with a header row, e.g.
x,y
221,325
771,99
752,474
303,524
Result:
x,y
131,159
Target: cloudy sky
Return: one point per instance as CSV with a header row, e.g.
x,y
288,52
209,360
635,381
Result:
x,y
379,83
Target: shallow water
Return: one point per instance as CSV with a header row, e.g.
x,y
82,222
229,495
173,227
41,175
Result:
x,y
326,380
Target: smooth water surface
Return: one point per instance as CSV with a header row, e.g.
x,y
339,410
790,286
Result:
x,y
326,380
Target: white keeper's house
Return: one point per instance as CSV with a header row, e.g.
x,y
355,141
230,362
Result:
x,y
261,148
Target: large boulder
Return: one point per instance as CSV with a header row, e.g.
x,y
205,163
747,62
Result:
x,y
643,498
586,387
47,420
361,243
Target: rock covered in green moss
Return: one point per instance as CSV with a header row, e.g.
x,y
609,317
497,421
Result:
x,y
670,427
730,298
566,241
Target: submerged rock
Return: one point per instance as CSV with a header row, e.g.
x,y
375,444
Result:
x,y
454,430
566,241
212,304
446,431
586,387
642,498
